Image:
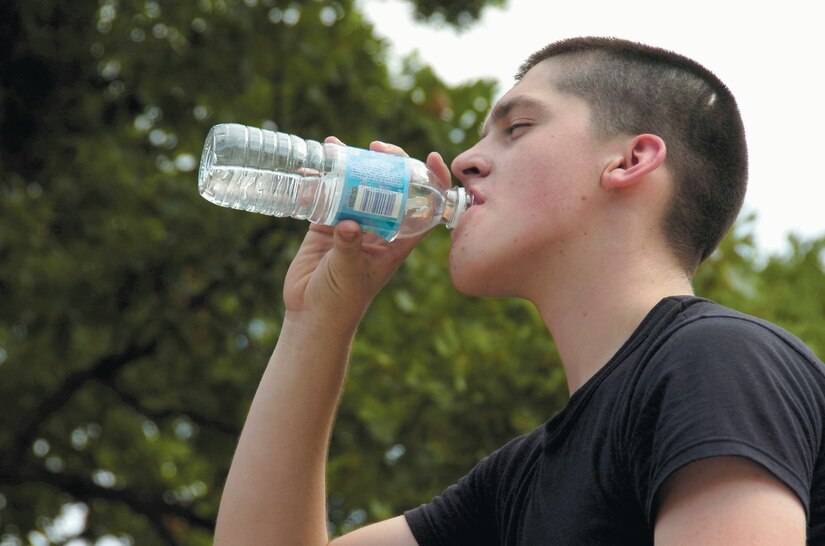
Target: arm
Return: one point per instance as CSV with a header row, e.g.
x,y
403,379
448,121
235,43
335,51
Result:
x,y
728,500
275,491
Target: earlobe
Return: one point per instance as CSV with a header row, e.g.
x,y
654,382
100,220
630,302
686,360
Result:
x,y
641,155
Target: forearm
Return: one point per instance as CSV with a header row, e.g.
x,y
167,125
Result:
x,y
275,492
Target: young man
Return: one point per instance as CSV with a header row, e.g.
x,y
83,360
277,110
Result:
x,y
602,179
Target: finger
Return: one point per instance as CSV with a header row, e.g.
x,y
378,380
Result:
x,y
320,227
378,146
334,140
437,165
347,238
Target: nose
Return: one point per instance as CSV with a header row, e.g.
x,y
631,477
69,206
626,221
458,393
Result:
x,y
470,165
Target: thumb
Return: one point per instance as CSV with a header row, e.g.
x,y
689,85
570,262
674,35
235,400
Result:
x,y
347,236
346,253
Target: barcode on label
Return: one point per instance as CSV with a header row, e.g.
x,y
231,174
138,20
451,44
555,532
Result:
x,y
378,201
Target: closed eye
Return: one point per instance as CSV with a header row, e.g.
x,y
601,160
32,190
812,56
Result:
x,y
510,131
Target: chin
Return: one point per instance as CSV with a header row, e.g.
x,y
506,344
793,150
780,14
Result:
x,y
468,270
467,289
463,280
473,281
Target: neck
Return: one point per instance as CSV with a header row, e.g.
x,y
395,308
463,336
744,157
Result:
x,y
591,318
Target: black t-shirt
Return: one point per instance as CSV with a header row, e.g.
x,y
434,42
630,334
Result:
x,y
695,380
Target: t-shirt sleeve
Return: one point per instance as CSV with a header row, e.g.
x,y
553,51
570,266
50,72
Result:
x,y
462,514
725,386
473,510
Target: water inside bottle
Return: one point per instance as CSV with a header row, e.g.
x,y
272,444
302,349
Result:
x,y
254,190
301,196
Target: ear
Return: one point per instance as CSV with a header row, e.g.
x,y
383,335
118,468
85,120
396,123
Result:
x,y
641,155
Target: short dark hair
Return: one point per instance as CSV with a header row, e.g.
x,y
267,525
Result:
x,y
633,88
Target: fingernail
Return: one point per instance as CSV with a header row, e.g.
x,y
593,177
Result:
x,y
348,236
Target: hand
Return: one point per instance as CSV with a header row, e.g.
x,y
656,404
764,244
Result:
x,y
338,271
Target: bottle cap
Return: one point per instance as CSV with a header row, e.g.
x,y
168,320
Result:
x,y
458,200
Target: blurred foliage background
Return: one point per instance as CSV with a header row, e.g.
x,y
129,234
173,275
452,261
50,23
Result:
x,y
136,318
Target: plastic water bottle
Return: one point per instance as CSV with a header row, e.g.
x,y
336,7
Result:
x,y
282,175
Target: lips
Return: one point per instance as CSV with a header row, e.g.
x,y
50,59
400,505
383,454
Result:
x,y
477,197
474,200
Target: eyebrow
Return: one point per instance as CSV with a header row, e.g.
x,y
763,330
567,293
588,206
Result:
x,y
504,107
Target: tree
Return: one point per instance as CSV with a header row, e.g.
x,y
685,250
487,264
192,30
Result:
x,y
136,316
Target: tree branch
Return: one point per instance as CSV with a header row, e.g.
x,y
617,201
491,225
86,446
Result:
x,y
80,488
102,369
197,418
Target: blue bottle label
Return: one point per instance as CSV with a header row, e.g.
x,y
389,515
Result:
x,y
375,191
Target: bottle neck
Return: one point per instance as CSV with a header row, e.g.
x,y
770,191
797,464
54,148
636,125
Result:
x,y
457,201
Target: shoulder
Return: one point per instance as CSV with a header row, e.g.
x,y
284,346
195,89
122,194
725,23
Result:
x,y
720,383
509,463
716,366
701,317
709,338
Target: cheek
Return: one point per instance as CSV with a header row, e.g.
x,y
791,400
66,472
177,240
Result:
x,y
539,202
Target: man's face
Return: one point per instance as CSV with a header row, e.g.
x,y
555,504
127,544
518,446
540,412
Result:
x,y
535,174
